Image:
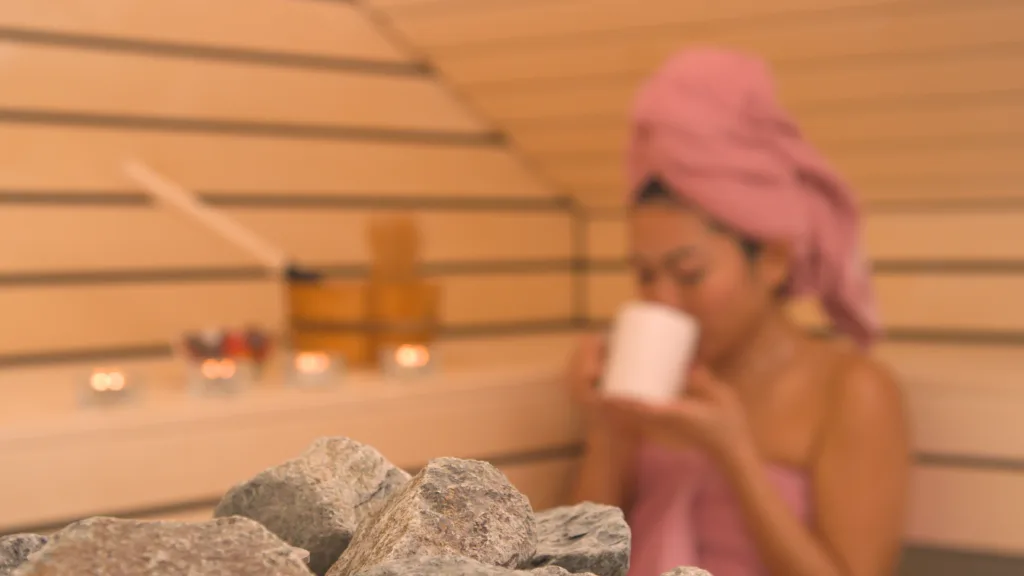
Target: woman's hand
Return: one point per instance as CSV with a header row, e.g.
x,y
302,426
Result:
x,y
710,416
584,371
583,378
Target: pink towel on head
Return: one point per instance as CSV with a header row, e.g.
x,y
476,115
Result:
x,y
709,125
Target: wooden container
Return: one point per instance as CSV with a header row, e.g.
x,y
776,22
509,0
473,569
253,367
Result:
x,y
331,316
403,312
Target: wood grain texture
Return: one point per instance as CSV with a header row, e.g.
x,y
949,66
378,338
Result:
x,y
119,315
112,238
911,100
58,78
787,43
90,159
333,29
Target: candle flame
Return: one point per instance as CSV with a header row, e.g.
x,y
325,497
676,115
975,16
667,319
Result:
x,y
412,356
312,362
213,369
107,381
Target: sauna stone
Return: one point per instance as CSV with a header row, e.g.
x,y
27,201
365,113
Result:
x,y
587,537
112,547
316,501
14,550
452,507
455,566
686,571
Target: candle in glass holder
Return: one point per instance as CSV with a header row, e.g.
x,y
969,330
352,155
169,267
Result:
x,y
412,356
407,360
106,386
310,368
217,376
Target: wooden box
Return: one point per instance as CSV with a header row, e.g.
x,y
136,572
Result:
x,y
404,312
331,316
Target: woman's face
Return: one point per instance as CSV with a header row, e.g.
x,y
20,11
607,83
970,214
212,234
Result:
x,y
679,260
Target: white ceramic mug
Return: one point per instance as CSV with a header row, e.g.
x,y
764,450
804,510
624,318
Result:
x,y
649,352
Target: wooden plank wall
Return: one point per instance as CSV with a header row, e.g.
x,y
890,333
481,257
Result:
x,y
919,102
299,118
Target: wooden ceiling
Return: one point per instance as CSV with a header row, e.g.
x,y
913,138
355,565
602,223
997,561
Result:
x,y
912,99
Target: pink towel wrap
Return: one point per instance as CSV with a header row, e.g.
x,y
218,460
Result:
x,y
709,125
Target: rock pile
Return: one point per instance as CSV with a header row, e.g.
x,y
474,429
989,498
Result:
x,y
341,509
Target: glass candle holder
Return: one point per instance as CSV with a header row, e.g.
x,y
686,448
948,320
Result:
x,y
107,386
314,369
408,360
219,376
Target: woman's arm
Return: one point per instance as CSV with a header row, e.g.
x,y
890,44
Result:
x,y
607,470
607,467
860,479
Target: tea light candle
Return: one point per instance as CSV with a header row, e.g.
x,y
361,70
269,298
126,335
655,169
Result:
x,y
312,363
313,369
407,360
218,369
112,381
412,356
217,376
106,386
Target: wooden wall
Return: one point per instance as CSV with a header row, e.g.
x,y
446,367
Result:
x,y
298,117
919,102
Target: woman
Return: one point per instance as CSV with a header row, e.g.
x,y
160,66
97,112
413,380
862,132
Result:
x,y
787,455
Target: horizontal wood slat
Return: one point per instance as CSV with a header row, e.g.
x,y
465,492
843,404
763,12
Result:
x,y
83,81
888,81
971,236
78,317
139,238
453,27
821,37
882,165
998,117
987,170
90,159
968,509
964,401
111,316
320,28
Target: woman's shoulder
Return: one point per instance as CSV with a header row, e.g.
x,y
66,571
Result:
x,y
861,385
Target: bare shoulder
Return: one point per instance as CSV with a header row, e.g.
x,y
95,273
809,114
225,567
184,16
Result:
x,y
864,391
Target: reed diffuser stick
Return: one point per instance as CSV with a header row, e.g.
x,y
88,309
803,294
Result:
x,y
169,192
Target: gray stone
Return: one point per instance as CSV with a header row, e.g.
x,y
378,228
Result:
x,y
112,547
453,507
316,501
14,549
454,566
552,571
686,571
585,537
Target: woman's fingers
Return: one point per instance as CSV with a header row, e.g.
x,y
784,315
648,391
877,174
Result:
x,y
586,367
703,385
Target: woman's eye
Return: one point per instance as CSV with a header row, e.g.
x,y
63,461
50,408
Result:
x,y
689,277
644,277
